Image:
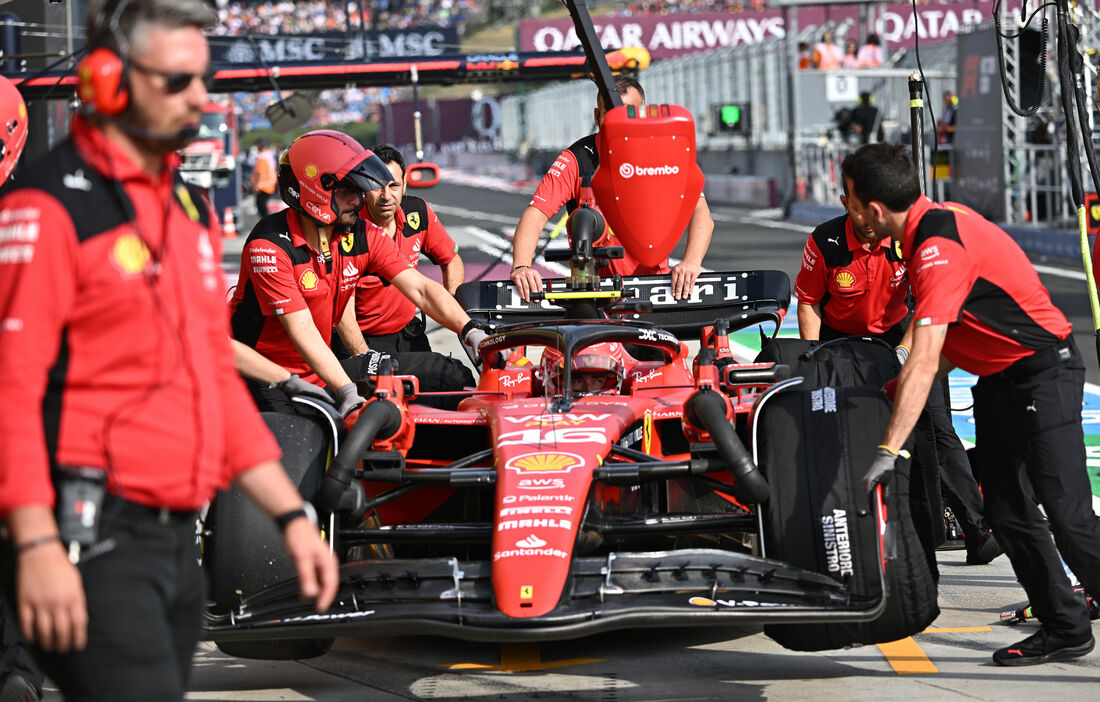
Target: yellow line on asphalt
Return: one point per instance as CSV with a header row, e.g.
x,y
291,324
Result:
x,y
907,658
516,658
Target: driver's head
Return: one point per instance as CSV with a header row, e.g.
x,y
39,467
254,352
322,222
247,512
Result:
x,y
630,90
592,373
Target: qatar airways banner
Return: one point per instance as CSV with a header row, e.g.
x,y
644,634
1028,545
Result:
x,y
670,35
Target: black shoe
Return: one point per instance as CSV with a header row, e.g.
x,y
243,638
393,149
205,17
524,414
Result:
x,y
984,551
17,689
1043,647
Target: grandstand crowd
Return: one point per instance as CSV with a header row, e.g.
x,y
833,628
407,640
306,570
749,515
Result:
x,y
286,17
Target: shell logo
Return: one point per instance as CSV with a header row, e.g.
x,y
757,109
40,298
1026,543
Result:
x,y
308,281
844,279
545,463
130,254
310,171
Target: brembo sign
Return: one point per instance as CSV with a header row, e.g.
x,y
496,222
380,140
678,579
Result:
x,y
669,35
629,170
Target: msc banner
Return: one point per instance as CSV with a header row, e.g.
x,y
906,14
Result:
x,y
334,47
668,35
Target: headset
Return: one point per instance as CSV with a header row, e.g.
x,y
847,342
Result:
x,y
102,82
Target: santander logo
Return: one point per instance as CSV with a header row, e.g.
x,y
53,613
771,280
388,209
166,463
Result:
x,y
531,541
629,170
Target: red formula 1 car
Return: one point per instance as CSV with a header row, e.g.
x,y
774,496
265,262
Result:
x,y
615,482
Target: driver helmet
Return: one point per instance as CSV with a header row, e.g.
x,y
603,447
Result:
x,y
593,373
318,162
13,127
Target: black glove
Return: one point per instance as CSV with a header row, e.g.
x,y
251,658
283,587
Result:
x,y
371,363
348,399
296,387
882,467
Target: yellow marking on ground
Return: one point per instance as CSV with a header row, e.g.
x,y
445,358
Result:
x,y
956,629
907,658
516,658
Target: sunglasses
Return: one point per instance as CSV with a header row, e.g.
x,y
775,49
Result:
x,y
175,81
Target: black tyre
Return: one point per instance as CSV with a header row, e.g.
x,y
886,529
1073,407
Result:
x,y
244,553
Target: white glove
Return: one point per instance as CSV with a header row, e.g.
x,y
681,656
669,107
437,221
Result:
x,y
902,354
348,399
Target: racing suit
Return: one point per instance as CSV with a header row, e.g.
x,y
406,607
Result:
x,y
864,293
114,357
388,319
968,273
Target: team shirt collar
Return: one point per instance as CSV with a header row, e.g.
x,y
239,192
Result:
x,y
110,159
912,219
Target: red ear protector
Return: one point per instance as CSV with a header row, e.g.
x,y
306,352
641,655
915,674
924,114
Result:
x,y
101,82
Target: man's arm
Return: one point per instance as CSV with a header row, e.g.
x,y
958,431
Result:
x,y
309,342
700,229
431,297
349,331
268,486
253,364
524,242
454,274
914,382
809,321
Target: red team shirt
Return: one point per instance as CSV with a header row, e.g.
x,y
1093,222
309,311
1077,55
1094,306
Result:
x,y
859,291
281,274
968,273
562,184
381,308
114,347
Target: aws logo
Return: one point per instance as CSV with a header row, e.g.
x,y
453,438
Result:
x,y
845,280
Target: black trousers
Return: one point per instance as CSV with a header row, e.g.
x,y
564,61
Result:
x,y
1028,424
960,490
145,593
261,202
15,655
411,338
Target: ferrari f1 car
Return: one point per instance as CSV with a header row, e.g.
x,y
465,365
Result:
x,y
615,482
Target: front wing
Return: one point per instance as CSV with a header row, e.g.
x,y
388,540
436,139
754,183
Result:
x,y
445,596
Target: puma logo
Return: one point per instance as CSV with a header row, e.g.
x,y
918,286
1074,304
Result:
x,y
284,235
1017,651
1031,407
833,241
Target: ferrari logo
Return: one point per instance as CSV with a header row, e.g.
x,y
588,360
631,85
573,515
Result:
x,y
526,592
897,249
308,281
844,279
347,242
130,254
413,218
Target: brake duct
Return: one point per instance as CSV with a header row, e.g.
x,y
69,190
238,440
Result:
x,y
379,419
706,409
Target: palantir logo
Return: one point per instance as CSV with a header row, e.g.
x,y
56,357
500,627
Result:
x,y
626,170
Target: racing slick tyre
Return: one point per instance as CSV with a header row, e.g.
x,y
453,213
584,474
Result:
x,y
815,446
244,552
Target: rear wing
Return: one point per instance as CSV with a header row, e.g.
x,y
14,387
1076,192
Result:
x,y
717,295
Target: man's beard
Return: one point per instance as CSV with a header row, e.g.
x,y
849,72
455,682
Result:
x,y
136,126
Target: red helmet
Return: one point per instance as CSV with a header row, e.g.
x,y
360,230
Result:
x,y
13,127
592,373
317,162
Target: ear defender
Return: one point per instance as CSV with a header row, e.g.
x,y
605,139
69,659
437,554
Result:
x,y
101,82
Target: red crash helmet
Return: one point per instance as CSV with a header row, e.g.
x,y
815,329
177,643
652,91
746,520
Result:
x,y
318,162
592,373
13,127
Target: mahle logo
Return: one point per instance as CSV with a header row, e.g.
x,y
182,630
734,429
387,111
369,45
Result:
x,y
629,170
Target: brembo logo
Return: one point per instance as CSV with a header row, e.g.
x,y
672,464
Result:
x,y
629,170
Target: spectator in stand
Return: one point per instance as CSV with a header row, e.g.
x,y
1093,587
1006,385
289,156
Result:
x,y
851,58
827,55
870,54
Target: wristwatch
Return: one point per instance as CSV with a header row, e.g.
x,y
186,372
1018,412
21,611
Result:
x,y
306,510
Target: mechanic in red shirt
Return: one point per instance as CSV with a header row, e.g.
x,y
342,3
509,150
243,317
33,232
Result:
x,y
562,185
122,408
852,283
389,320
980,306
300,268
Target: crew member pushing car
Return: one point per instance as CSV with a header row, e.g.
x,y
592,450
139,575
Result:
x,y
853,283
980,306
388,319
562,185
300,268
122,412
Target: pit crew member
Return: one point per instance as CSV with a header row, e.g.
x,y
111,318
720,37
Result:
x,y
562,186
980,306
300,267
388,319
122,410
853,283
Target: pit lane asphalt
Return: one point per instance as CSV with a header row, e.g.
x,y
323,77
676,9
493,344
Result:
x,y
951,661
